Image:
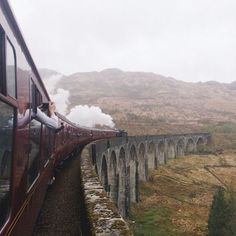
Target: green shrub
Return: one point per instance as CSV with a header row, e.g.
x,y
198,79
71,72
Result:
x,y
222,218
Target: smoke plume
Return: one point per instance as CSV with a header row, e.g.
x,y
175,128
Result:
x,y
89,116
61,98
79,114
51,81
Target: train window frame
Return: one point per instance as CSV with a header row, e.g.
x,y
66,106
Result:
x,y
2,61
35,98
30,185
11,176
6,43
11,46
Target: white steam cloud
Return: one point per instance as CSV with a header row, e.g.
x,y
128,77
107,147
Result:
x,y
51,82
61,98
80,114
90,116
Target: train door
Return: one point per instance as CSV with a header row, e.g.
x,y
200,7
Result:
x,y
8,106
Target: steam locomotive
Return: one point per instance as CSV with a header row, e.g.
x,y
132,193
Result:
x,y
29,152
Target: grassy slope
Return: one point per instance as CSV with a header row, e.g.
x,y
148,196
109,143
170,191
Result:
x,y
177,199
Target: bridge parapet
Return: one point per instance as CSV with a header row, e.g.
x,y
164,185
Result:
x,y
121,163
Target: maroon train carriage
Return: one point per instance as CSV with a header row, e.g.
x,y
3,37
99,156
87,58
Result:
x,y
29,151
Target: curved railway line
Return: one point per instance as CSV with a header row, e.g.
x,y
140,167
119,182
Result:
x,y
60,213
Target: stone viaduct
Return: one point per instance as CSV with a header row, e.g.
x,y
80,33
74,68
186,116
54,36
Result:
x,y
121,163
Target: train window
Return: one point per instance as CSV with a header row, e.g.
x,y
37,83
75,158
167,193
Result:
x,y
34,154
6,150
11,70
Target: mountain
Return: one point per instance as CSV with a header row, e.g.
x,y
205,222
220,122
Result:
x,y
148,103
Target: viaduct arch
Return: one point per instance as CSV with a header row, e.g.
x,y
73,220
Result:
x,y
125,162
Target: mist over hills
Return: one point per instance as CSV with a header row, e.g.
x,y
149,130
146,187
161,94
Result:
x,y
148,103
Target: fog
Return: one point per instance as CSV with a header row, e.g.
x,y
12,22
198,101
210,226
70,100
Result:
x,y
191,40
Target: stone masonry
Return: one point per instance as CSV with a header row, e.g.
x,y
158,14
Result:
x,y
103,216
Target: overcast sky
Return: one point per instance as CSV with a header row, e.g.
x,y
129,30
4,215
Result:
x,y
191,40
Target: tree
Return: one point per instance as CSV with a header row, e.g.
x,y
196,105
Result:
x,y
219,214
231,222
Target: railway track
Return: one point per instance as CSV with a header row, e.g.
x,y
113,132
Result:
x,y
63,206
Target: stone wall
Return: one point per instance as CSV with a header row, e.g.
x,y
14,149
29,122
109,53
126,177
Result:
x,y
102,213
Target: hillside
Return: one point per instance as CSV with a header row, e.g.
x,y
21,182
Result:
x,y
178,196
177,199
148,103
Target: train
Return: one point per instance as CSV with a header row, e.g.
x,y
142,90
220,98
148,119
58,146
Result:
x,y
29,151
